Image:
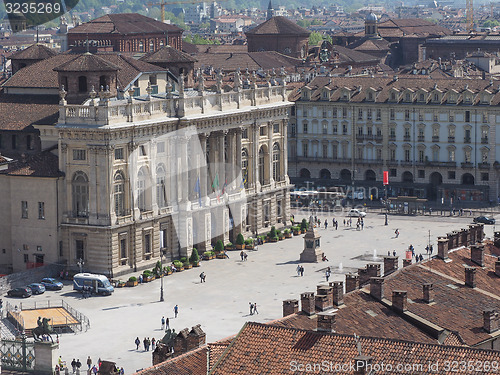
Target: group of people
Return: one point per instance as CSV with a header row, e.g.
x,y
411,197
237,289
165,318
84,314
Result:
x,y
253,308
76,366
420,257
146,342
300,270
335,224
243,256
165,323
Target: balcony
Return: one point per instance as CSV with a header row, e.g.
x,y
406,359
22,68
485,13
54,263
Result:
x,y
467,165
451,139
392,138
467,140
406,163
368,162
360,138
435,138
484,140
392,163
445,164
421,138
484,165
378,138
407,138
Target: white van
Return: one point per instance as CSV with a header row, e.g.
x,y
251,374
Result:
x,y
93,283
354,212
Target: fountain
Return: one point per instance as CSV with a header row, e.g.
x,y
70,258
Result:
x,y
341,267
374,254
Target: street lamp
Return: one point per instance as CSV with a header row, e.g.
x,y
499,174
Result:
x,y
161,277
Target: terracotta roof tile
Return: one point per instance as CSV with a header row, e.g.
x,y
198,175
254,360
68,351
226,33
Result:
x,y
124,23
34,52
24,111
167,54
278,25
86,62
251,60
264,349
43,164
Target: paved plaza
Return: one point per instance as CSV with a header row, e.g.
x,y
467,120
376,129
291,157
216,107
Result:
x,y
221,305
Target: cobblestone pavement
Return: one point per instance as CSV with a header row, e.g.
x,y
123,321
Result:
x,y
221,305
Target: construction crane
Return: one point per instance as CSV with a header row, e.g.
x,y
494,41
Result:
x,y
469,9
162,5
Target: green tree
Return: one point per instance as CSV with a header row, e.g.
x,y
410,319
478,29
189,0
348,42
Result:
x,y
491,23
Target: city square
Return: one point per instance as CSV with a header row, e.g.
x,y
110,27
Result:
x,y
221,305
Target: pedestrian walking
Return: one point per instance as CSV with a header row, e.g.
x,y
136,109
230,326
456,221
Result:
x,y
145,343
153,344
255,308
301,271
242,255
73,365
162,322
89,362
396,232
202,277
298,270
176,310
362,224
430,249
344,222
78,366
394,253
251,308
336,225
245,257
326,224
327,274
95,370
137,343
167,323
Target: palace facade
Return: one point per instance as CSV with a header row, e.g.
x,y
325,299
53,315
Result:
x,y
436,138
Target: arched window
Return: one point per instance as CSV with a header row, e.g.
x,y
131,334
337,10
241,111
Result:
x,y
80,190
82,84
244,167
161,190
276,162
103,82
262,163
119,193
141,46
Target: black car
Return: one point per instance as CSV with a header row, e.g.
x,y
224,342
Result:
x,y
484,220
24,292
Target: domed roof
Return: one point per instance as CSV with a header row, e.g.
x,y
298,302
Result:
x,y
371,17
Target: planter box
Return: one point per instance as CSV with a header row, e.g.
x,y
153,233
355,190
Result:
x,y
120,285
188,267
147,279
220,256
249,247
240,247
273,240
206,257
197,264
180,269
288,235
297,232
169,273
229,248
132,283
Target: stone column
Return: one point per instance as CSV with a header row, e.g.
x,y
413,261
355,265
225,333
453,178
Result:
x,y
284,149
270,151
94,195
230,165
222,159
255,128
203,167
238,150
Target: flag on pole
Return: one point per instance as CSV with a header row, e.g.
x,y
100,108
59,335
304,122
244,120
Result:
x,y
244,179
224,186
215,184
198,190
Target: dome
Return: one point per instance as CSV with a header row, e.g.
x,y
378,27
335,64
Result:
x,y
371,17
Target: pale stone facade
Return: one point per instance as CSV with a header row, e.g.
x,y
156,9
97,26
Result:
x,y
133,191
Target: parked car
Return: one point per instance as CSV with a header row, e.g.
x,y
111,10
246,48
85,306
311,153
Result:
x,y
51,284
24,292
484,220
37,288
354,212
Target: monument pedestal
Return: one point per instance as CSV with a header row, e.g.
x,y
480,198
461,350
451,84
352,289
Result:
x,y
312,252
45,357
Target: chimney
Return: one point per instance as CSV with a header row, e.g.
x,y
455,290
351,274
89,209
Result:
x,y
362,365
326,321
406,262
390,264
180,341
196,338
338,292
377,288
351,282
399,300
307,302
477,254
428,292
470,277
497,268
443,248
324,297
490,321
290,306
373,270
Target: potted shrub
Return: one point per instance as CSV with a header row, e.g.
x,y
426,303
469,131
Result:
x,y
195,258
207,255
263,239
280,235
157,271
249,244
178,265
147,276
287,233
273,235
120,284
132,281
167,270
183,260
304,225
240,241
219,247
296,230
187,265
229,246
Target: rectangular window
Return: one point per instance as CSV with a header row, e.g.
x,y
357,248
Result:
x,y
79,155
119,154
392,115
276,128
292,130
421,156
325,128
41,210
344,128
379,154
467,116
304,128
407,114
244,133
451,155
392,133
61,253
368,114
160,147
305,150
421,173
147,243
292,111
142,150
393,172
24,209
79,247
360,130
485,176
334,151
369,130
305,112
451,175
360,114
26,258
334,113
28,142
325,113
344,112
123,248
39,248
379,114
137,91
262,130
335,128
392,155
325,151
407,156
